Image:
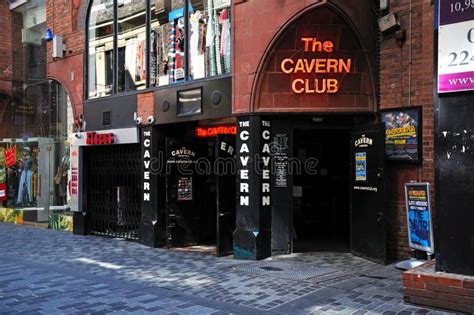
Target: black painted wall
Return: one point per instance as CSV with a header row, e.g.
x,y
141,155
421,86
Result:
x,y
121,108
282,214
152,223
454,213
252,236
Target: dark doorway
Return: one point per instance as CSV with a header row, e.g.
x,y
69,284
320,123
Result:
x,y
321,195
200,192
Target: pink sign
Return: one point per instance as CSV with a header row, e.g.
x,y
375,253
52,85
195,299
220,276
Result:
x,y
455,82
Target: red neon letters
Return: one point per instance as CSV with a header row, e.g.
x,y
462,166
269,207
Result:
x,y
207,132
99,138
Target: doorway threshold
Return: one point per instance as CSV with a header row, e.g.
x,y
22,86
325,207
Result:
x,y
202,249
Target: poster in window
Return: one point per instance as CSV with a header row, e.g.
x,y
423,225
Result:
x,y
420,231
185,188
361,166
402,134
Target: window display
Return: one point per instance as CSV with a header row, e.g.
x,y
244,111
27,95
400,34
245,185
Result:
x,y
167,44
100,35
175,54
210,39
132,46
34,162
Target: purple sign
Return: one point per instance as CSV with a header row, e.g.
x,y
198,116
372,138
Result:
x,y
455,11
456,46
455,82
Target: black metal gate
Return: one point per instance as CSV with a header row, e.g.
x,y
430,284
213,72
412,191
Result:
x,y
113,190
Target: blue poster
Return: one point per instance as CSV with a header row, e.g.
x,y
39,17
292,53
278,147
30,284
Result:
x,y
361,166
419,217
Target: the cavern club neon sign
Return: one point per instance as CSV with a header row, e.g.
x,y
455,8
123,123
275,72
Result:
x,y
323,65
207,132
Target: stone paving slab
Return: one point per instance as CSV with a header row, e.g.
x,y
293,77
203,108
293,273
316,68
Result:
x,y
45,271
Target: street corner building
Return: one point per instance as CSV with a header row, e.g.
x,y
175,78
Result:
x,y
245,127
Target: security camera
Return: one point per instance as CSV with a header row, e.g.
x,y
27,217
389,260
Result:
x,y
150,119
138,120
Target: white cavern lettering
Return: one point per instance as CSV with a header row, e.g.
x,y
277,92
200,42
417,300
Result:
x,y
244,187
244,160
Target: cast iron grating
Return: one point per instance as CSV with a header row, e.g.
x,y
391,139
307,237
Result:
x,y
289,270
113,190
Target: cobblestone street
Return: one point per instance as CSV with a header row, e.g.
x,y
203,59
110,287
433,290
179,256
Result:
x,y
50,272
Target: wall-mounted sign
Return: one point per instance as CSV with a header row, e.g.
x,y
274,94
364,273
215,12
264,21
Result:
x,y
179,154
320,64
185,189
265,162
402,134
74,182
243,163
456,46
146,165
94,138
420,231
247,158
363,142
280,158
213,131
361,166
111,136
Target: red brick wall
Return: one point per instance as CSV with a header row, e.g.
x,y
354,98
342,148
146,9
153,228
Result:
x,y
254,26
5,48
395,92
424,286
63,19
354,91
145,107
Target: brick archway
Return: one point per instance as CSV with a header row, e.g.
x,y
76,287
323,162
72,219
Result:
x,y
271,89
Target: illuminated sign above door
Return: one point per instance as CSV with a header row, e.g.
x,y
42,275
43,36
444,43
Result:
x,y
213,131
320,65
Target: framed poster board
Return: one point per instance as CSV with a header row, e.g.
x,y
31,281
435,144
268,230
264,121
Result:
x,y
403,137
420,228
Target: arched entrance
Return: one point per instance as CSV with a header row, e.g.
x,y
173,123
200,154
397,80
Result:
x,y
315,91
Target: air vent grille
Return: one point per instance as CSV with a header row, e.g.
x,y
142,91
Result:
x,y
106,118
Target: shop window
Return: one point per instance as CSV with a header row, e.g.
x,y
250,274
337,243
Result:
x,y
101,45
131,46
169,53
34,157
167,40
209,38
